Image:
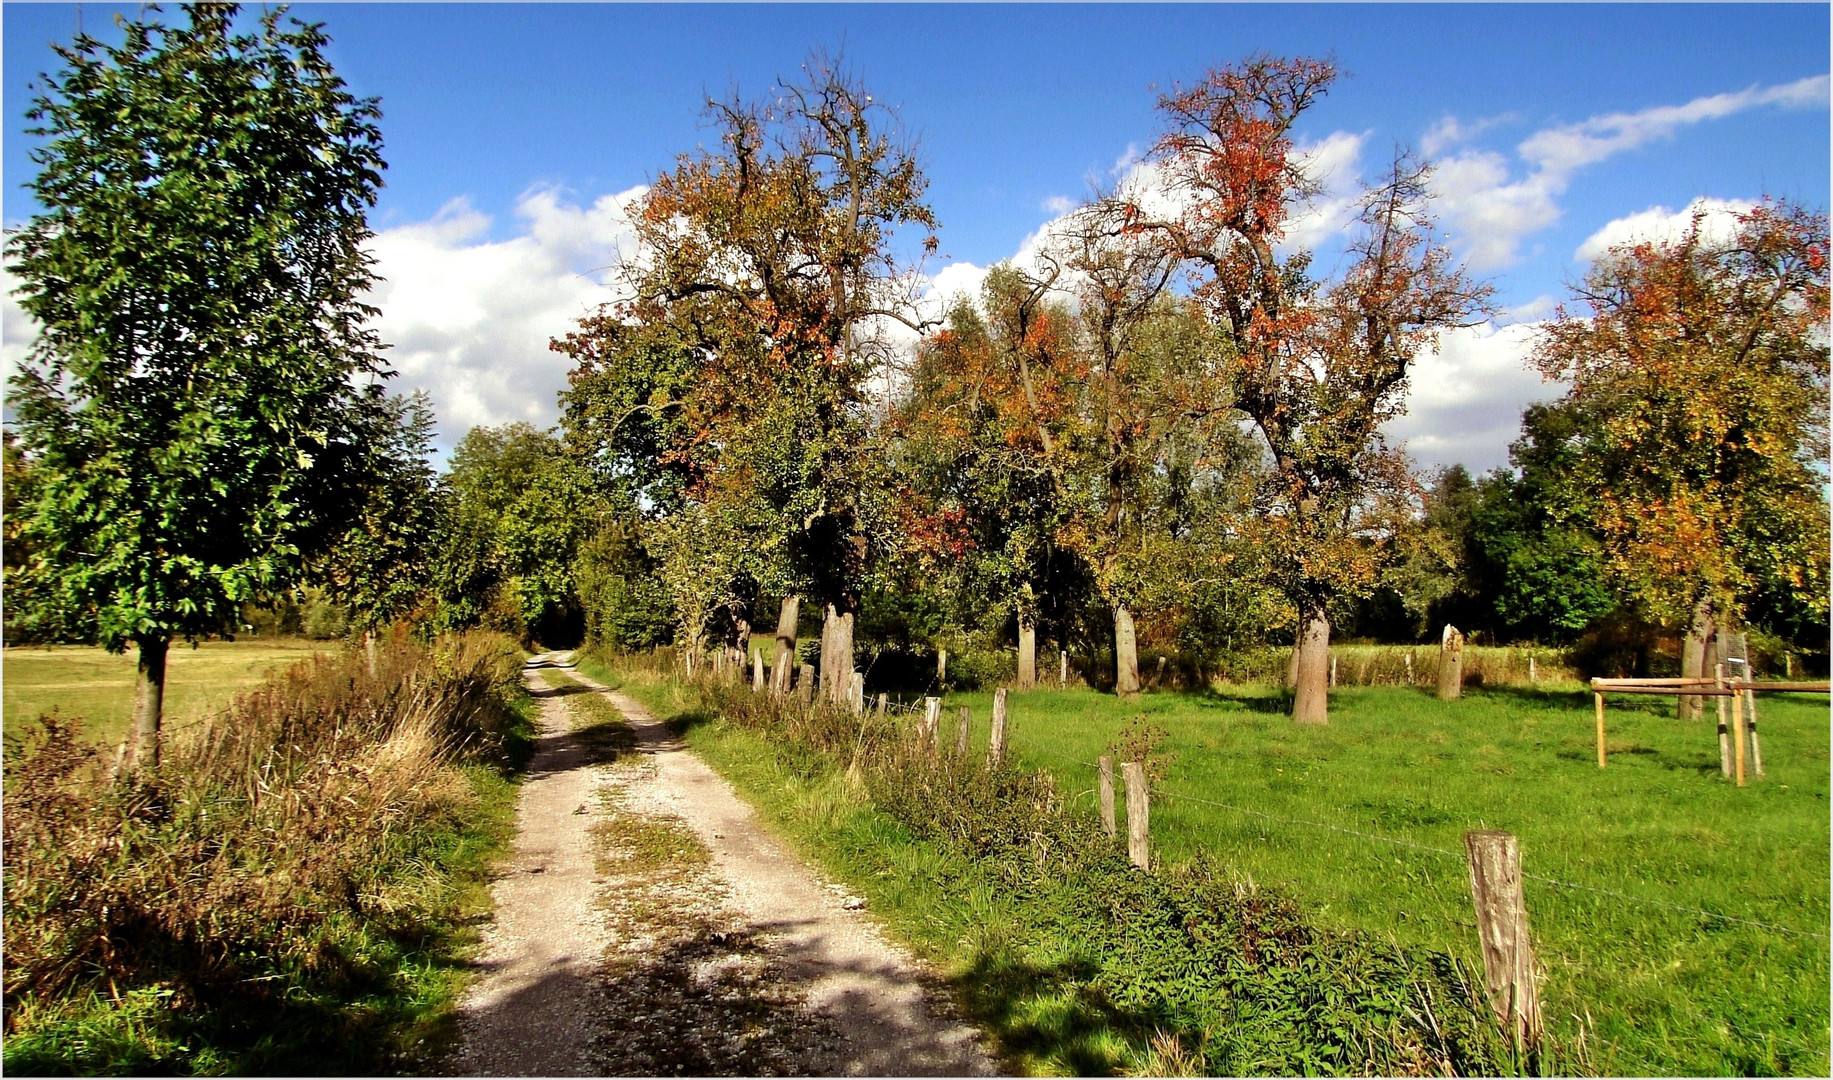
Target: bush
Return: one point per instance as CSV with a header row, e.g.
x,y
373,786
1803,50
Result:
x,y
257,880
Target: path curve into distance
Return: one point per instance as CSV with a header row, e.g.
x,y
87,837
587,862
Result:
x,y
542,1007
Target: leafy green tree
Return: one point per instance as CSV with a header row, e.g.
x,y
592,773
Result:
x,y
515,511
378,568
1698,374
194,405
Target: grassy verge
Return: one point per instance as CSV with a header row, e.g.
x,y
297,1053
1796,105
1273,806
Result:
x,y
318,921
1632,968
1075,963
80,680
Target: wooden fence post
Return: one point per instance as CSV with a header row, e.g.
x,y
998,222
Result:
x,y
1502,930
883,701
805,683
1063,668
1106,762
1533,674
757,668
1409,668
1750,724
1333,671
961,729
856,694
941,666
932,723
1137,815
1737,727
1599,697
996,746
1158,679
1451,664
1724,733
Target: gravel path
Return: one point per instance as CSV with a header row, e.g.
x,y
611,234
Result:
x,y
667,932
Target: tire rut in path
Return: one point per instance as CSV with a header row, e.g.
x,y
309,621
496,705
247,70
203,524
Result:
x,y
750,964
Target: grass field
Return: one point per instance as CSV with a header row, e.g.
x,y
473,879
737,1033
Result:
x,y
1646,988
83,681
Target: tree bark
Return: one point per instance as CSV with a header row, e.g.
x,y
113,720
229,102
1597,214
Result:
x,y
1693,663
1027,652
149,707
839,654
782,672
1126,653
1311,702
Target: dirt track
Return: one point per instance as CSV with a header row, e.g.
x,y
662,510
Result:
x,y
648,924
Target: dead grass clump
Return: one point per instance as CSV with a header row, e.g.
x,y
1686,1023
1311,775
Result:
x,y
237,870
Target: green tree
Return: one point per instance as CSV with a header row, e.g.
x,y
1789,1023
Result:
x,y
1698,379
194,404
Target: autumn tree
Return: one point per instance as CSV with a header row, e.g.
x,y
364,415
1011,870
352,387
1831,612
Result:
x,y
979,470
1317,366
1698,372
193,404
765,270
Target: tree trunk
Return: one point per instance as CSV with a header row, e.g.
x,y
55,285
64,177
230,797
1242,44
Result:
x,y
837,656
782,672
149,707
1693,663
1311,702
1126,653
1027,652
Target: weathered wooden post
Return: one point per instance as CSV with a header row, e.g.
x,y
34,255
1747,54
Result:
x,y
1333,671
996,745
1599,699
1409,667
1724,732
1137,815
1027,652
1502,930
1106,763
1533,674
941,666
1750,724
884,701
1737,726
805,683
965,718
1451,664
1063,668
856,694
932,723
757,668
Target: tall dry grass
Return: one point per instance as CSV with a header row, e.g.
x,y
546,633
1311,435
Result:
x,y
270,837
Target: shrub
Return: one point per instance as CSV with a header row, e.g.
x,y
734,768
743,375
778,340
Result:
x,y
1190,963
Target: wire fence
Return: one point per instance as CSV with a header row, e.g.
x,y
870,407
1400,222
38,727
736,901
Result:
x,y
918,708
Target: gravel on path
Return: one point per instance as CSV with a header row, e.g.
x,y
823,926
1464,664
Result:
x,y
648,924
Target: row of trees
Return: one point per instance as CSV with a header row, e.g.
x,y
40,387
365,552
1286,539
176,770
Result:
x,y
1165,426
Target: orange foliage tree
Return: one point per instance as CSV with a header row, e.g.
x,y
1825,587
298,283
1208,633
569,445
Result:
x,y
1698,372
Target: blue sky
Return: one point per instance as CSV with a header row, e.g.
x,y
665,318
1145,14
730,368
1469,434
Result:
x,y
509,126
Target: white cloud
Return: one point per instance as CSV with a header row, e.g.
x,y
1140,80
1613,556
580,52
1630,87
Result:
x,y
17,329
470,318
1058,205
1466,397
1718,223
1493,213
1451,131
1333,162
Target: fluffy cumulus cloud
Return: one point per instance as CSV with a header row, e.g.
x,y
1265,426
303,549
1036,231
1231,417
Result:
x,y
469,318
1493,210
1466,396
1718,220
1334,163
